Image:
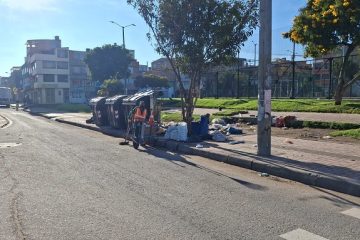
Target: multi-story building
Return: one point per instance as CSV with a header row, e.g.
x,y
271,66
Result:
x,y
53,74
15,79
81,88
46,71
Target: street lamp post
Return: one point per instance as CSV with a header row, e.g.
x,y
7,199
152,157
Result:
x,y
123,37
123,30
255,54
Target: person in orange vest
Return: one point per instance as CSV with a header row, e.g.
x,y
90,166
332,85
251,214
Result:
x,y
139,118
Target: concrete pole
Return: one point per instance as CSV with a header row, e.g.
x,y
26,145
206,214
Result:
x,y
264,79
123,35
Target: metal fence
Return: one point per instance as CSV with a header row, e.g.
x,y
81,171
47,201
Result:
x,y
316,78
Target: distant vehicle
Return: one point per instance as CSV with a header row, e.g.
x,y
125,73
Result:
x,y
5,96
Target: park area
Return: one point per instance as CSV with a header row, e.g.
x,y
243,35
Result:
x,y
317,118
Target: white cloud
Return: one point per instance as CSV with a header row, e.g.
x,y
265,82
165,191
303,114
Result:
x,y
31,5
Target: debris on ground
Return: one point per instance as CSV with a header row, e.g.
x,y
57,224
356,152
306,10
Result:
x,y
236,142
217,136
327,137
160,131
235,131
264,175
255,145
90,120
288,141
286,121
218,121
199,146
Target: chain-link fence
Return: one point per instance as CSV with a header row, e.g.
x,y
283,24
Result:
x,y
316,78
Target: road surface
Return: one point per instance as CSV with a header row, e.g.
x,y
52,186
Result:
x,y
62,182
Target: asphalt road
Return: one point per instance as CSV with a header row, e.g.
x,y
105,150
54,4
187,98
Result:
x,y
62,182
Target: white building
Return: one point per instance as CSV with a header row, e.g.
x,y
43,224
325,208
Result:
x,y
46,71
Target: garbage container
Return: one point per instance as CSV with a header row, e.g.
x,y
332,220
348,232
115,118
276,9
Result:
x,y
99,111
116,115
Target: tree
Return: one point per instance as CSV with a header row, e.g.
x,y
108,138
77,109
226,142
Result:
x,y
151,81
325,25
196,34
108,62
111,87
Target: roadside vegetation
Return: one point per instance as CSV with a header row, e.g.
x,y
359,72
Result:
x,y
234,106
175,117
353,133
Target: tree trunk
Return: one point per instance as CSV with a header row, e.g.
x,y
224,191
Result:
x,y
340,89
338,96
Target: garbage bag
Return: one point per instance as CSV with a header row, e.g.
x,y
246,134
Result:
x,y
218,137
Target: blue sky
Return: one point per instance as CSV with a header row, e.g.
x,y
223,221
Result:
x,y
85,24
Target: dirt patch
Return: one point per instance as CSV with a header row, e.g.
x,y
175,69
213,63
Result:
x,y
304,133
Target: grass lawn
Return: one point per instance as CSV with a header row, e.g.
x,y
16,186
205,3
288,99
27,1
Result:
x,y
279,105
175,117
354,133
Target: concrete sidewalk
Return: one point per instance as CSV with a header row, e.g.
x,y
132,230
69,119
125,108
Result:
x,y
328,165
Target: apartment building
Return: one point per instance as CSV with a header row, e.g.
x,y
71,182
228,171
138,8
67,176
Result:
x,y
46,71
53,74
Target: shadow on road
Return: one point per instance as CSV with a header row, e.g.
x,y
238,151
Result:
x,y
177,158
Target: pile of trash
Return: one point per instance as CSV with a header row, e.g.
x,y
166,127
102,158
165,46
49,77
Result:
x,y
286,121
219,130
177,132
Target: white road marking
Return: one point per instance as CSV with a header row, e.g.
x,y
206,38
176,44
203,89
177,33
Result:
x,y
9,124
353,212
9,145
300,234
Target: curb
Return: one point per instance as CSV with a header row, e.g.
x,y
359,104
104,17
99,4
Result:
x,y
248,162
294,174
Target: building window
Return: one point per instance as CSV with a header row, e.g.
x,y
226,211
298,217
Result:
x,y
75,70
49,64
62,65
62,53
62,78
49,78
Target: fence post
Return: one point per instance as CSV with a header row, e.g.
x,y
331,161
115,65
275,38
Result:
x,y
330,77
217,84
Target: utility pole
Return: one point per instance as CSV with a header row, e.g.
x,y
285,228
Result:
x,y
264,80
293,74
